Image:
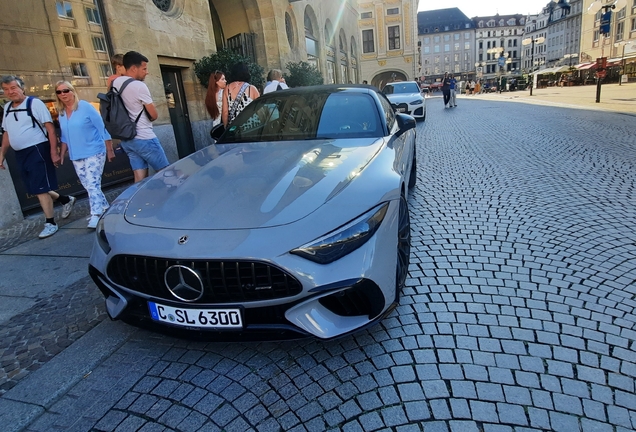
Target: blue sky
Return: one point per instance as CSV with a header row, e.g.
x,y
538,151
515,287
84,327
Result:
x,y
473,8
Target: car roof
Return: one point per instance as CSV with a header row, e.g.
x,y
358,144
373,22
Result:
x,y
328,88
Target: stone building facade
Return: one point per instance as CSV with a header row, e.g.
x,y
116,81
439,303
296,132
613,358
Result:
x,y
388,33
498,42
447,39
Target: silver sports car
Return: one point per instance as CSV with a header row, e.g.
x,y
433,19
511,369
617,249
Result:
x,y
295,223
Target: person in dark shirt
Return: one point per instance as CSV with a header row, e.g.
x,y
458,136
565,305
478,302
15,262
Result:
x,y
446,82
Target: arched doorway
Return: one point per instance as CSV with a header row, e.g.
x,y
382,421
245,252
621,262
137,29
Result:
x,y
311,37
381,79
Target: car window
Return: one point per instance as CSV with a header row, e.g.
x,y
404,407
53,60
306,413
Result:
x,y
315,115
389,113
396,88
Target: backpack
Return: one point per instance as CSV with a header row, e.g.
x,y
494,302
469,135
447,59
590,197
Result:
x,y
115,115
29,112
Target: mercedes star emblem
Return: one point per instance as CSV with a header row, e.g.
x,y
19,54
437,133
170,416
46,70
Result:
x,y
183,283
183,240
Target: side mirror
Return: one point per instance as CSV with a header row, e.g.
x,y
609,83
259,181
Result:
x,y
404,122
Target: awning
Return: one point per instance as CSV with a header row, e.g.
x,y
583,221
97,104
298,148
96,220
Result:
x,y
547,71
564,69
586,66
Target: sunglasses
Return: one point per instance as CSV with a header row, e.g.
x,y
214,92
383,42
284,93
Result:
x,y
62,91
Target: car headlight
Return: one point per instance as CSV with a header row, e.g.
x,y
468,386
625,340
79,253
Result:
x,y
101,236
416,102
345,239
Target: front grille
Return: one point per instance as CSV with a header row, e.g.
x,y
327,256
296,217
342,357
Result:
x,y
402,108
223,281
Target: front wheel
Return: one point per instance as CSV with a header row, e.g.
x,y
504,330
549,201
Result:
x,y
403,246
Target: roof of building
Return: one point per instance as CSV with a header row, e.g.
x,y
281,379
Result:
x,y
518,18
442,20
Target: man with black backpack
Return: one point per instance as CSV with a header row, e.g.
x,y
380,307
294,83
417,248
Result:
x,y
28,129
143,148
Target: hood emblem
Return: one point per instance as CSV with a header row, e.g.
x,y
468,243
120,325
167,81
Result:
x,y
183,240
183,283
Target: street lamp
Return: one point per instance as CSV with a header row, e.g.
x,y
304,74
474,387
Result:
x,y
618,44
532,41
606,20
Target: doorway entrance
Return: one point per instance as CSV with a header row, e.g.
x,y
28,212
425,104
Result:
x,y
178,108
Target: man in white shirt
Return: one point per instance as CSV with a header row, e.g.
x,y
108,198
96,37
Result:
x,y
28,129
275,81
145,149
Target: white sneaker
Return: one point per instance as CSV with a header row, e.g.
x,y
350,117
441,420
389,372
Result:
x,y
68,207
48,231
92,222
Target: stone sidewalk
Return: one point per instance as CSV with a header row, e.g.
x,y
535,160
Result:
x,y
614,97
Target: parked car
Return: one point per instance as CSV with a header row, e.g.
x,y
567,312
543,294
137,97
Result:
x,y
295,223
406,97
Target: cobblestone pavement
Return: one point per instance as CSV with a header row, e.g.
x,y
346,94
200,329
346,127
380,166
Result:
x,y
518,314
31,339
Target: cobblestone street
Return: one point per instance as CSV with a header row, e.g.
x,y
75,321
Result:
x,y
518,315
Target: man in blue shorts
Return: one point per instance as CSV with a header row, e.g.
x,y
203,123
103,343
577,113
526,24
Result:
x,y
145,149
28,129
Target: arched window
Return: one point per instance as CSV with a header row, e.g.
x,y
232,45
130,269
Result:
x,y
311,42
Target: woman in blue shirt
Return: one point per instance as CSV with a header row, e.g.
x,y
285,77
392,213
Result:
x,y
88,144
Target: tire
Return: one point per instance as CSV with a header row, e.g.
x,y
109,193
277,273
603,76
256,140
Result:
x,y
413,175
403,247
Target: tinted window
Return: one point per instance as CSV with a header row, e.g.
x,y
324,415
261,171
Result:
x,y
305,116
389,114
400,88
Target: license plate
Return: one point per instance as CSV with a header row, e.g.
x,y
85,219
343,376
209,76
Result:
x,y
401,109
202,318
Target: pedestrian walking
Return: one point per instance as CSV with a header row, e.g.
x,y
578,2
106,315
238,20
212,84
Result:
x,y
88,143
145,149
28,129
478,87
453,94
446,89
238,94
472,87
275,81
214,96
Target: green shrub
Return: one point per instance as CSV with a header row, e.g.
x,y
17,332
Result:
x,y
223,61
302,74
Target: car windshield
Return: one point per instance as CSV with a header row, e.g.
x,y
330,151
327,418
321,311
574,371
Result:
x,y
400,88
303,116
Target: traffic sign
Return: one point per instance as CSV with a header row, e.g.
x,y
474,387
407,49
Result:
x,y
502,61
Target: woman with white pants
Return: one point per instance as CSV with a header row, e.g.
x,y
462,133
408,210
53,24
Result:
x,y
88,144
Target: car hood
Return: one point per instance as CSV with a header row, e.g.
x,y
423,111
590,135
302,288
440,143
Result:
x,y
404,97
245,186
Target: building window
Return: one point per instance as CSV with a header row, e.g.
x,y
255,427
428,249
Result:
x,y
104,70
466,35
427,50
457,46
366,15
481,45
427,40
79,69
72,40
466,45
163,5
446,47
456,68
446,60
596,35
64,9
456,57
393,11
99,44
456,36
368,45
621,13
436,49
509,42
633,24
446,38
436,39
92,16
394,37
620,28
289,30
